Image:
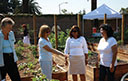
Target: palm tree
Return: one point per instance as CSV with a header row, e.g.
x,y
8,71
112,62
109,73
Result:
x,y
25,6
34,7
9,6
4,6
124,10
16,6
31,7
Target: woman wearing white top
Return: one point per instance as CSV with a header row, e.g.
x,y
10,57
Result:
x,y
46,51
76,47
108,53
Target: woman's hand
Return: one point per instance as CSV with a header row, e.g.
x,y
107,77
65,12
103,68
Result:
x,y
66,55
86,61
97,64
111,68
66,61
54,63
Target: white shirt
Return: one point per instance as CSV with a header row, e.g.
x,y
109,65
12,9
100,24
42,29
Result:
x,y
76,46
105,48
44,55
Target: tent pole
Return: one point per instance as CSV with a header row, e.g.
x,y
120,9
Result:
x,y
116,24
82,27
105,16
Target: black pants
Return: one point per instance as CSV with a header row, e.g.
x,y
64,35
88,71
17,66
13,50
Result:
x,y
10,67
105,72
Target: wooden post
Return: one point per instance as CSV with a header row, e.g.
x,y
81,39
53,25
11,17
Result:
x,y
55,25
105,17
122,30
78,21
34,28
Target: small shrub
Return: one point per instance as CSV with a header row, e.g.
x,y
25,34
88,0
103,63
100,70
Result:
x,y
62,37
119,42
39,78
20,43
19,51
33,48
30,65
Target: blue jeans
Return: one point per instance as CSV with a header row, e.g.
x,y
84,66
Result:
x,y
105,72
46,67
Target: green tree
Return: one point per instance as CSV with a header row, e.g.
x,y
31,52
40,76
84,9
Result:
x,y
16,6
9,6
124,10
5,6
25,6
31,7
64,11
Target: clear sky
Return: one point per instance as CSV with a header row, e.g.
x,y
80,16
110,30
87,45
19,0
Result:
x,y
52,6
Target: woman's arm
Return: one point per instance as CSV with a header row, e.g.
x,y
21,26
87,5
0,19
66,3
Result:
x,y
98,59
114,51
52,50
67,46
86,58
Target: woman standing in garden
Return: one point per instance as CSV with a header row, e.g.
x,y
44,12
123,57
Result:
x,y
76,47
46,51
8,56
108,53
26,38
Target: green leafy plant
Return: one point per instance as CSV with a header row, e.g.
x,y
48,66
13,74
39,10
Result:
x,y
117,35
20,43
30,65
62,37
33,48
90,53
21,66
40,78
119,42
19,49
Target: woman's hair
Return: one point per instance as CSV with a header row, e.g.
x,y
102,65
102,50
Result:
x,y
24,25
6,21
43,30
108,29
77,29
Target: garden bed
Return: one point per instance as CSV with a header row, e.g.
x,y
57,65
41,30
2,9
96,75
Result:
x,y
29,66
93,72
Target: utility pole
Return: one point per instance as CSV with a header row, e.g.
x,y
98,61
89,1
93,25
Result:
x,y
93,7
93,4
